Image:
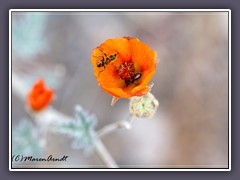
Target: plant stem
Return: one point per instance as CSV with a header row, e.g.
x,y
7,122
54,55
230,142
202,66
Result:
x,y
127,124
100,148
103,154
51,116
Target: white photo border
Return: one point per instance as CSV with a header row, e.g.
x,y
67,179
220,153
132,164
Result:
x,y
120,169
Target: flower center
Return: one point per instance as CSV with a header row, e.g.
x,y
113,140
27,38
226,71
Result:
x,y
127,71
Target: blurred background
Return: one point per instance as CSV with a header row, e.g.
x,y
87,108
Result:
x,y
190,127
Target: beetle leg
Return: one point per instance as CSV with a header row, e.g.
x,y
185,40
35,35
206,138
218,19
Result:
x,y
98,56
104,68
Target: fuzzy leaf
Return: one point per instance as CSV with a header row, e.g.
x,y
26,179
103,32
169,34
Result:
x,y
80,129
25,140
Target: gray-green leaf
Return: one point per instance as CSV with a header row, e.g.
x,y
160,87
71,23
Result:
x,y
80,129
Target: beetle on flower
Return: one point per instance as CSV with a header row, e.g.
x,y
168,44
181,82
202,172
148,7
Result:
x,y
127,66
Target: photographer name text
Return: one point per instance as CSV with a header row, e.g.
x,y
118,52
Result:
x,y
50,158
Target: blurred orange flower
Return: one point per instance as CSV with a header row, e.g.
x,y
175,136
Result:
x,y
39,96
124,66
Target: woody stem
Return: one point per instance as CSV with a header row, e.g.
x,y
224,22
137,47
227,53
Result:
x,y
108,129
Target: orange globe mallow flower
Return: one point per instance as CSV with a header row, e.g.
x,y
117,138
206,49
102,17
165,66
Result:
x,y
39,96
124,66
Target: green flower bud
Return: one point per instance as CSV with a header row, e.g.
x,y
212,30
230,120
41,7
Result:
x,y
143,106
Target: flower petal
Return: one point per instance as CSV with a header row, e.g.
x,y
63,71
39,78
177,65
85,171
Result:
x,y
40,96
126,50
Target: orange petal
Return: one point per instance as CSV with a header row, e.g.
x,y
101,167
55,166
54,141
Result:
x,y
127,49
121,45
40,96
142,56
